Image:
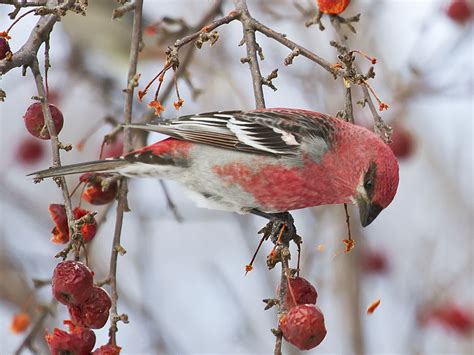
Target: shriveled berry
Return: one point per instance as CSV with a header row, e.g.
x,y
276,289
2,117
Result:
x,y
303,326
95,193
20,322
303,291
460,11
94,312
72,282
4,48
78,341
332,6
108,349
61,228
29,151
34,120
88,230
403,142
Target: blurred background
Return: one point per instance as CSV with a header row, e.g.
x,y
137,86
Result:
x,y
182,280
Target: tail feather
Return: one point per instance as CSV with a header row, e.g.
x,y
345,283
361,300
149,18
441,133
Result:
x,y
91,166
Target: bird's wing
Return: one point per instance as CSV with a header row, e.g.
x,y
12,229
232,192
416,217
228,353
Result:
x,y
274,132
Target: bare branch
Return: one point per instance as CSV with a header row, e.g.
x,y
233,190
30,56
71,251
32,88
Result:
x,y
122,10
122,195
281,38
55,143
40,33
212,26
381,128
252,48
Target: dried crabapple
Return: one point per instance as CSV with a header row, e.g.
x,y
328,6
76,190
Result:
x,y
78,341
93,312
34,120
107,349
303,326
72,282
4,48
303,291
94,192
332,6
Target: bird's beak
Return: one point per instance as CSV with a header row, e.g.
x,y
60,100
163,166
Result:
x,y
368,212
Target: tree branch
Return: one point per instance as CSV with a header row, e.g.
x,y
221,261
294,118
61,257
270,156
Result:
x,y
55,143
122,195
281,38
251,45
40,33
212,26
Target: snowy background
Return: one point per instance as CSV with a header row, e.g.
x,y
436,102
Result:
x,y
182,284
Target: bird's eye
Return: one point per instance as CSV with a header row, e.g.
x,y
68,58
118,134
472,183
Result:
x,y
368,184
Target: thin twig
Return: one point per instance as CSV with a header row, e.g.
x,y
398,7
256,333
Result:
x,y
212,26
352,271
122,10
381,128
282,247
281,38
55,143
284,254
27,53
122,195
252,46
348,107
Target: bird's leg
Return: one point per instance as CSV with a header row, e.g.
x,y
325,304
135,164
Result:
x,y
273,227
282,216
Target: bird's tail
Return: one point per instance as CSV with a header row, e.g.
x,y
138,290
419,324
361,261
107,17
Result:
x,y
90,166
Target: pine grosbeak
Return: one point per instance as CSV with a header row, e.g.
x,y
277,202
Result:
x,y
269,160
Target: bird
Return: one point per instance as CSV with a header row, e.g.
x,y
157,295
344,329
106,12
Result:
x,y
266,161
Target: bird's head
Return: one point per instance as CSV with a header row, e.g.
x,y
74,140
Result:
x,y
378,183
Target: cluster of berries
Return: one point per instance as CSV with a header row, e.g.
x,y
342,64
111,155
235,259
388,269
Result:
x,y
303,324
88,306
96,194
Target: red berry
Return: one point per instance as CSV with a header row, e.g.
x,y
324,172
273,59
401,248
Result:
x,y
374,261
108,349
78,341
113,149
29,151
403,143
34,120
453,317
94,193
332,6
72,282
20,322
61,228
88,231
94,312
303,326
303,291
459,11
4,48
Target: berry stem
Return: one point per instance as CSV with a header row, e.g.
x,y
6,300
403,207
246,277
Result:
x,y
18,19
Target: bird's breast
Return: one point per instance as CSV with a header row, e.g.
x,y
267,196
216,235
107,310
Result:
x,y
276,186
